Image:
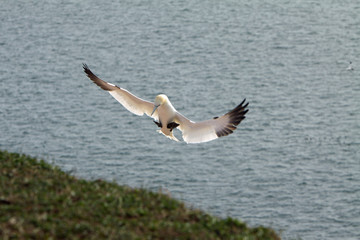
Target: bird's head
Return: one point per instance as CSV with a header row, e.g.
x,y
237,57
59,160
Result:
x,y
159,100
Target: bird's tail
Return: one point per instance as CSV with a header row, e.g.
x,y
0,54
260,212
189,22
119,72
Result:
x,y
169,135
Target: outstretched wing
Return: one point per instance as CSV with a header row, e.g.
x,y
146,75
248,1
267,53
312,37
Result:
x,y
131,102
197,132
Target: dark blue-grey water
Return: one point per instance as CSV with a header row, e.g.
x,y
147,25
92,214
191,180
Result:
x,y
294,162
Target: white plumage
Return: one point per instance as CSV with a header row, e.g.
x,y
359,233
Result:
x,y
167,118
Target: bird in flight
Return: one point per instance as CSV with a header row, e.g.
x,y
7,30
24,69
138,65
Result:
x,y
167,118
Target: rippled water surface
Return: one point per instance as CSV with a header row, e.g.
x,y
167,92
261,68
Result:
x,y
293,164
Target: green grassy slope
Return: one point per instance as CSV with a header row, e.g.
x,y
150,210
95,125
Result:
x,y
39,201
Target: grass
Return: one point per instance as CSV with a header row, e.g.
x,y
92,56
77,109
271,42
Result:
x,y
39,201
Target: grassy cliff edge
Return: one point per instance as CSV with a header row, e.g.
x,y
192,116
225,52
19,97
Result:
x,y
39,201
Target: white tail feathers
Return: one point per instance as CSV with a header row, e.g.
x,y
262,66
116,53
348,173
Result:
x,y
170,135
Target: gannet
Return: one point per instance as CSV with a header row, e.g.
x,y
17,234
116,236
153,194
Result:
x,y
350,68
167,118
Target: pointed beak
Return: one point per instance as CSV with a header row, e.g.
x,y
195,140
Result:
x,y
154,110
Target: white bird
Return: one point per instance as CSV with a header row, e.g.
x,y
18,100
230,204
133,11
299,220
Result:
x,y
350,67
167,118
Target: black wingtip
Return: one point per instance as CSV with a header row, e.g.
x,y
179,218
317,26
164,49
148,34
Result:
x,y
104,85
86,68
242,101
235,117
88,72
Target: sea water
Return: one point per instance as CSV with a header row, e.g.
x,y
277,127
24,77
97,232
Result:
x,y
292,164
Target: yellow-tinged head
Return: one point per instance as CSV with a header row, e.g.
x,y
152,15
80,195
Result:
x,y
159,100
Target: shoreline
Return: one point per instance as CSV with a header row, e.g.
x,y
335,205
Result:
x,y
38,200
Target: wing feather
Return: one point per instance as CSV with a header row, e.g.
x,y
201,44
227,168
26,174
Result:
x,y
197,132
131,102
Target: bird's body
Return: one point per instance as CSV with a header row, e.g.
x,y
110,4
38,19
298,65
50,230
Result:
x,y
167,118
167,114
